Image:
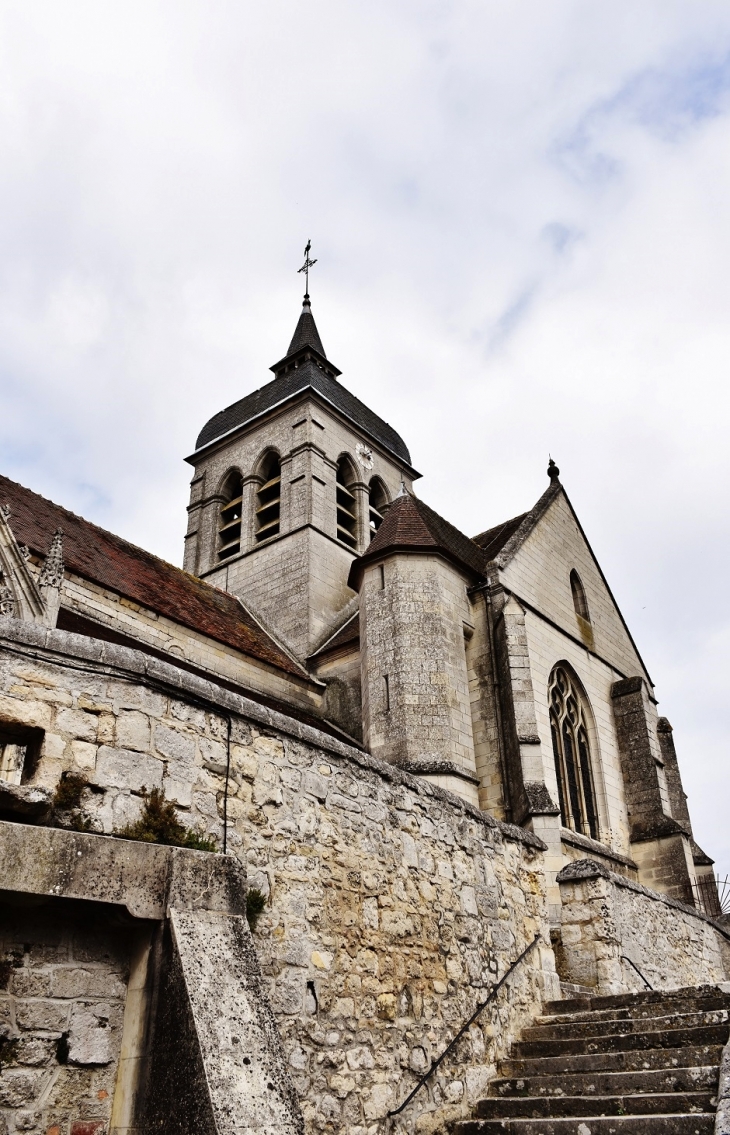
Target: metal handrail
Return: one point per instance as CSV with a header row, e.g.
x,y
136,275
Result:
x,y
646,983
464,1027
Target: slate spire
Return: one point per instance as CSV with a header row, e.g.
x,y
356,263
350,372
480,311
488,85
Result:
x,y
306,333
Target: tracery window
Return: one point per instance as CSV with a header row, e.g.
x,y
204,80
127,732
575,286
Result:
x,y
268,499
346,504
229,528
378,500
571,749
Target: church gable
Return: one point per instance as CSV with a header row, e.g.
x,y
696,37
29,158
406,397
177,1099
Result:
x,y
550,566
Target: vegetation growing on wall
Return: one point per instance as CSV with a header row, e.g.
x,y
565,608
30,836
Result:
x,y
159,823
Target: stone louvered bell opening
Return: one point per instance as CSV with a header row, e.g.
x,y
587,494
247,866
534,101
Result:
x,y
378,501
229,531
268,499
346,504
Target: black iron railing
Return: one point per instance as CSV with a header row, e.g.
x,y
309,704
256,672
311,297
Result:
x,y
452,1043
634,966
712,895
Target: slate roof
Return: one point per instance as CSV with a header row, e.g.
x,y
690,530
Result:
x,y
306,333
494,539
111,562
347,635
410,525
308,375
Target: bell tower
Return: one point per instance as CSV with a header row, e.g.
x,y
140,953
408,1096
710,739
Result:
x,y
290,484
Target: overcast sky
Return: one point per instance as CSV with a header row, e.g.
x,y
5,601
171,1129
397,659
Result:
x,y
521,215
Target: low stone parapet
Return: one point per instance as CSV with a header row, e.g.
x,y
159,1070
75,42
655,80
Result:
x,y
614,931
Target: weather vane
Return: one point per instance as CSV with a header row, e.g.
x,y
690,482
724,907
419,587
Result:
x,y
305,268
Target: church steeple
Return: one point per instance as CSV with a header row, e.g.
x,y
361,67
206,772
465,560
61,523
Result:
x,y
306,333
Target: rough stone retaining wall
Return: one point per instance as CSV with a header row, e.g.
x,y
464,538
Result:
x,y
62,993
607,918
392,905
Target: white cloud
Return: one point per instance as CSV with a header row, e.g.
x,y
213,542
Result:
x,y
521,218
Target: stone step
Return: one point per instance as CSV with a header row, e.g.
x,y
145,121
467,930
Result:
x,y
670,1038
592,1125
609,1027
538,1107
640,1011
654,1081
627,1000
626,1060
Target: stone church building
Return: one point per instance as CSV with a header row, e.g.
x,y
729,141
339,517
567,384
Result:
x,y
433,755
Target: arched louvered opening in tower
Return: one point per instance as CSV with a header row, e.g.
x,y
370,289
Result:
x,y
378,503
346,504
268,498
229,528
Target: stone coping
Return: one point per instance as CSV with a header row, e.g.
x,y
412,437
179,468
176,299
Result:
x,y
582,869
146,878
73,651
585,843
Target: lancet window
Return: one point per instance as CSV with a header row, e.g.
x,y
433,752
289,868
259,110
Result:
x,y
346,504
268,499
378,501
571,749
229,528
579,597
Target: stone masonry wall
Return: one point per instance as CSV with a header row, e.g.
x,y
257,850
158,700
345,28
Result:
x,y
391,905
412,631
607,918
63,979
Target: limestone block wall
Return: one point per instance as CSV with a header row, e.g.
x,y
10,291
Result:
x,y
62,994
539,573
392,906
607,918
416,698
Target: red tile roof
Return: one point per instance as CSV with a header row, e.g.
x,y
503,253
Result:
x,y
113,563
410,525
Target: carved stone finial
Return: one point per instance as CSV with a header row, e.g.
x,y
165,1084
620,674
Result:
x,y
5,511
7,599
52,573
553,472
24,551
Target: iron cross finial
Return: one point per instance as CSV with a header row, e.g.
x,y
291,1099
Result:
x,y
305,268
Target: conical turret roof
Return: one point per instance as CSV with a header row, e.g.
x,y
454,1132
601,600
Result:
x,y
306,333
411,526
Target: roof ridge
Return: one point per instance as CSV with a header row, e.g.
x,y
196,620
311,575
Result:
x,y
119,539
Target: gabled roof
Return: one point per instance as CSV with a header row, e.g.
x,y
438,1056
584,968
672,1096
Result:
x,y
409,526
494,539
113,563
305,367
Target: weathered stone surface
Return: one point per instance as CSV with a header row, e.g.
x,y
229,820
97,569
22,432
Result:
x,y
608,919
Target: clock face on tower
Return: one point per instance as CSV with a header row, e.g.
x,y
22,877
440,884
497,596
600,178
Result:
x,y
364,455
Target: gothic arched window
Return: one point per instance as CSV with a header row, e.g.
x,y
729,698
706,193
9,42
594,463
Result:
x,y
378,500
229,528
579,596
268,498
571,749
346,504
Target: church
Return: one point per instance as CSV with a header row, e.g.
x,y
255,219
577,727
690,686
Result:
x,y
433,756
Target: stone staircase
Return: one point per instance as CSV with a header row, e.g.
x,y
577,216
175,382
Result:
x,y
637,1064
